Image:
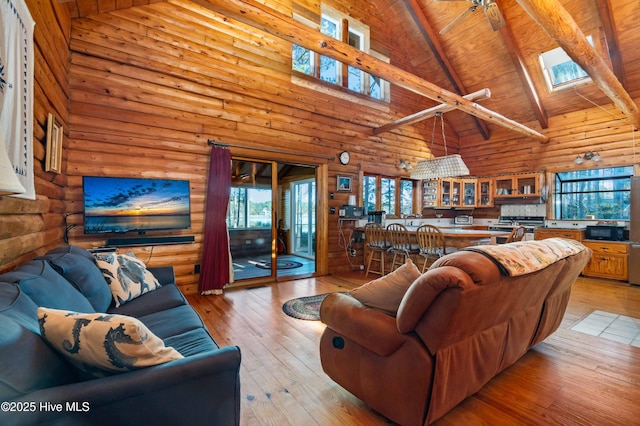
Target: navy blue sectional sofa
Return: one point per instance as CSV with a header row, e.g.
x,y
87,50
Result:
x,y
39,386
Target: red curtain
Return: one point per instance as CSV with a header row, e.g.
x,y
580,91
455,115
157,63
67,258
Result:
x,y
215,266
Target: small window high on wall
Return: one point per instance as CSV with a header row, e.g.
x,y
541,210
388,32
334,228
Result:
x,y
560,71
341,27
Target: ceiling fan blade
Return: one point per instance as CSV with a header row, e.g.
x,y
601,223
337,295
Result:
x,y
494,16
458,19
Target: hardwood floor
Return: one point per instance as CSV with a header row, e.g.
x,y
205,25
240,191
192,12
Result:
x,y
571,378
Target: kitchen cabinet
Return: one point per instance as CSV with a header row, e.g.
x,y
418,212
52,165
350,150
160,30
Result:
x,y
527,184
468,198
609,260
430,193
484,193
572,234
446,193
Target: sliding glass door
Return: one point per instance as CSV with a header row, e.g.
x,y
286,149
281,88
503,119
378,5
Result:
x,y
303,220
271,219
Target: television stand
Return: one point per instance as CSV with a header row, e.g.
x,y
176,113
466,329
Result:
x,y
149,241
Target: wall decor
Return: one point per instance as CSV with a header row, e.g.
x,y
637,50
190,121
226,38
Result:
x,y
53,160
16,90
344,183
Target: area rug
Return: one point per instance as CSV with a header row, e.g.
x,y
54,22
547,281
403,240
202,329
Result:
x,y
282,264
305,308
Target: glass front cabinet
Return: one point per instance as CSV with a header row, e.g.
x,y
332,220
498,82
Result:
x,y
479,192
485,193
469,188
430,193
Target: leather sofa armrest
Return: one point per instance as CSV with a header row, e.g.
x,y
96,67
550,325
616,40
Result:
x,y
369,327
199,389
425,290
164,274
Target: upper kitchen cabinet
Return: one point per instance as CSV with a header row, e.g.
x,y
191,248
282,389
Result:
x,y
430,193
484,192
469,190
520,185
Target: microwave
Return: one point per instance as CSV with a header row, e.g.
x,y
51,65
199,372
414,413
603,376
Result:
x,y
605,232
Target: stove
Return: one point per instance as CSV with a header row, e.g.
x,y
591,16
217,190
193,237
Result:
x,y
507,223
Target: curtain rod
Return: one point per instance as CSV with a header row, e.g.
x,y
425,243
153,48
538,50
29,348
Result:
x,y
275,151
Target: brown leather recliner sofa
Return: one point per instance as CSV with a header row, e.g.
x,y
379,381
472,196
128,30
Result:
x,y
459,324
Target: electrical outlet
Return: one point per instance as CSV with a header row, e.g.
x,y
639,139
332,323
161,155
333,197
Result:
x,y
196,268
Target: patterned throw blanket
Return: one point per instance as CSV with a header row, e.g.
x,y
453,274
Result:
x,y
525,257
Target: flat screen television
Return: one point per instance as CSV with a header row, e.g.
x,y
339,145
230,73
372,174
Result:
x,y
120,205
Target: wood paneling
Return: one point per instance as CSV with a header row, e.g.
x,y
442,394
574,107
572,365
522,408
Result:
x,y
150,85
140,86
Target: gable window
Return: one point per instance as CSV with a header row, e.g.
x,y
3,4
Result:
x,y
560,71
347,30
601,193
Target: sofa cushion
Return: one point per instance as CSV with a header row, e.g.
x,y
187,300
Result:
x,y
83,273
46,287
60,250
166,297
126,275
27,363
101,344
192,342
172,322
386,293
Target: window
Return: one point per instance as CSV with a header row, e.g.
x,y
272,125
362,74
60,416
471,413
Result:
x,y
249,208
388,195
560,71
369,193
406,196
330,70
393,195
601,193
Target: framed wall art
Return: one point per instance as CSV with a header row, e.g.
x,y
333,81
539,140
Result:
x,y
344,183
53,159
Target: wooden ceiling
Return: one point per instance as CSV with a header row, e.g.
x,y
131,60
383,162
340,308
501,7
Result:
x,y
471,56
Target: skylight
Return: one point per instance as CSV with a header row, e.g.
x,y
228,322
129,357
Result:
x,y
560,71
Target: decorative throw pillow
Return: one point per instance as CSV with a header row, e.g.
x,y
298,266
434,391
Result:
x,y
126,276
386,293
102,344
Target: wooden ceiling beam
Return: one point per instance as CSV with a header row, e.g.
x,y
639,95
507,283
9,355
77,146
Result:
x,y
430,112
433,42
273,22
521,69
562,28
611,35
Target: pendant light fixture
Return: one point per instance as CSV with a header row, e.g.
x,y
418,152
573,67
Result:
x,y
440,167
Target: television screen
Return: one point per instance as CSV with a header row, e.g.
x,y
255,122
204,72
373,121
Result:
x,y
119,205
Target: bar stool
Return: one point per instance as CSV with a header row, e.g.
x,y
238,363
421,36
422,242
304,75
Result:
x,y
432,244
375,236
399,244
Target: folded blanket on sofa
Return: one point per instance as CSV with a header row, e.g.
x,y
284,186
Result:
x,y
524,257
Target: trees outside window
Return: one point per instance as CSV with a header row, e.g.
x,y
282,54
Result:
x,y
602,193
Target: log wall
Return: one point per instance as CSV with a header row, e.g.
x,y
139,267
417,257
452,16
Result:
x,y
151,84
139,92
31,227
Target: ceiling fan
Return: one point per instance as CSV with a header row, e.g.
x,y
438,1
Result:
x,y
491,11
